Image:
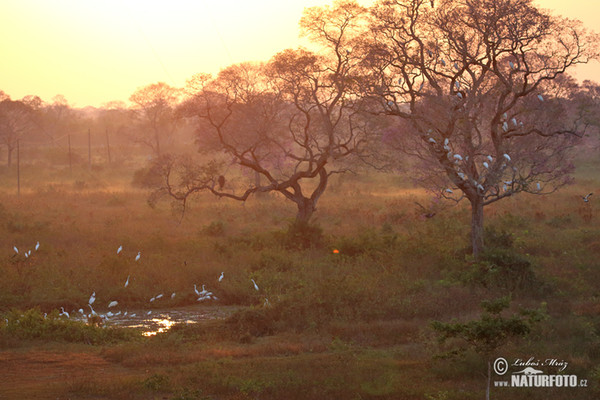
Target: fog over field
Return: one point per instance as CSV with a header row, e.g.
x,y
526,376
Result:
x,y
406,207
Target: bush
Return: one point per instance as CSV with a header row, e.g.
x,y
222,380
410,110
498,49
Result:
x,y
302,235
32,325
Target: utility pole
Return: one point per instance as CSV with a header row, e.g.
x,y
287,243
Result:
x,y
70,158
89,150
18,169
107,146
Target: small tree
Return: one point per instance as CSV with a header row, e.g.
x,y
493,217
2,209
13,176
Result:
x,y
487,334
154,110
16,118
480,92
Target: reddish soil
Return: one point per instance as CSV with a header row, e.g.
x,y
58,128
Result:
x,y
42,374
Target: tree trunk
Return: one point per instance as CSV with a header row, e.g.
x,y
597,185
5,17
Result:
x,y
477,225
489,381
306,208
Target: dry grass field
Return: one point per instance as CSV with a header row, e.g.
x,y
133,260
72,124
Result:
x,y
349,324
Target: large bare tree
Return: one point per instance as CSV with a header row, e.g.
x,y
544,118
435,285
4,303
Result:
x,y
290,121
479,89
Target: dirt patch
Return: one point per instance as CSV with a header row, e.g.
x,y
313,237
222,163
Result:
x,y
41,374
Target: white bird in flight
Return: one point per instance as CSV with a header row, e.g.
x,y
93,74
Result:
x,y
586,198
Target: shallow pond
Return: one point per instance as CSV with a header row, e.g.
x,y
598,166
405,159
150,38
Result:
x,y
156,321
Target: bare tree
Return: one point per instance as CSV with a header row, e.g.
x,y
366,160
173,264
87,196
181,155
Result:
x,y
478,87
290,121
16,118
154,109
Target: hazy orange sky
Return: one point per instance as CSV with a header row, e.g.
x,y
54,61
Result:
x,y
93,52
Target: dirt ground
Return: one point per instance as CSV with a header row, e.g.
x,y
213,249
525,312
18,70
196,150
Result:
x,y
43,374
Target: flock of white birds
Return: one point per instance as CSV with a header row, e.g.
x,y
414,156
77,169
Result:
x,y
203,295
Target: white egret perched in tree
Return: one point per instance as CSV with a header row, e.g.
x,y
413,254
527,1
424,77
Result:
x,y
504,126
159,296
540,97
255,285
538,186
120,249
514,121
458,157
512,65
490,158
221,277
127,281
92,299
506,156
449,191
139,254
16,249
113,303
485,164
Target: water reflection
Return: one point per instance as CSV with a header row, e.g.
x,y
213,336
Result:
x,y
159,321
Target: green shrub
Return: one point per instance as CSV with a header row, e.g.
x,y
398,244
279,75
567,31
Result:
x,y
32,325
302,235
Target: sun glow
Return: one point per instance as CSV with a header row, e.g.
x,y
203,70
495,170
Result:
x,y
96,52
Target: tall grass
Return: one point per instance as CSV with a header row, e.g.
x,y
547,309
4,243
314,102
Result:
x,y
392,271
